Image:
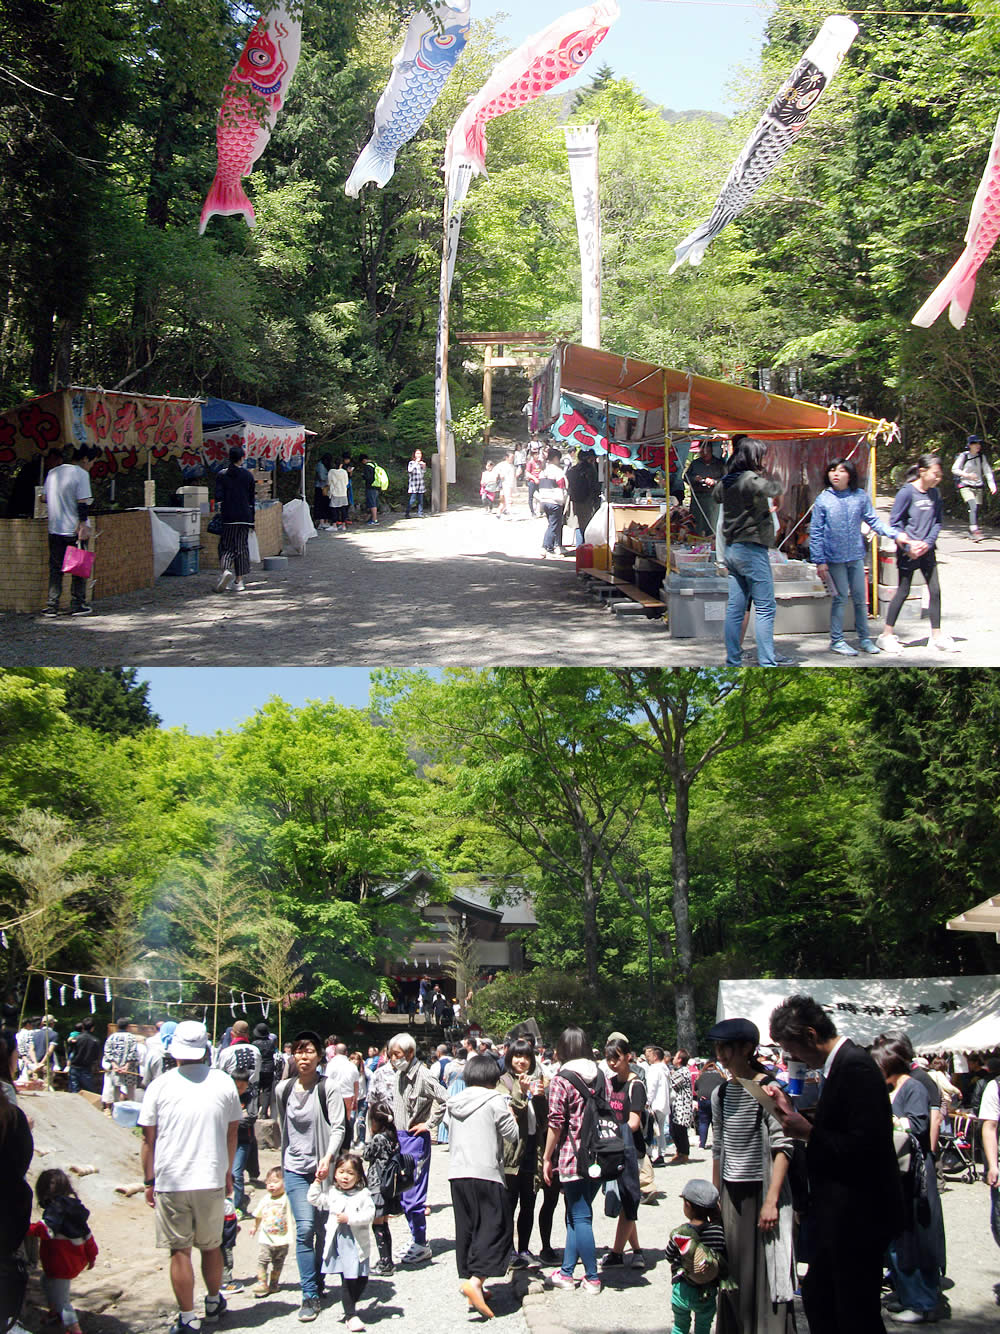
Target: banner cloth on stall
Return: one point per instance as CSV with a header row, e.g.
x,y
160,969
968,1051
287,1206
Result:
x,y
862,1008
270,440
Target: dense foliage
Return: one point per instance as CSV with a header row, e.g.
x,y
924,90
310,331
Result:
x,y
672,828
328,309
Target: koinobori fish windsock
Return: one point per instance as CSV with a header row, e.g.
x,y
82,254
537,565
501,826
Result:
x,y
957,288
258,84
537,65
419,72
774,134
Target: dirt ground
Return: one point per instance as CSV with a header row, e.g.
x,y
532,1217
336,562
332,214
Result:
x,y
448,589
128,1291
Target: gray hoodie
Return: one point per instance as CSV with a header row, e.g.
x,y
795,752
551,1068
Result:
x,y
481,1120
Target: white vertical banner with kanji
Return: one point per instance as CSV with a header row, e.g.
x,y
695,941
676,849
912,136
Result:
x,y
458,187
581,145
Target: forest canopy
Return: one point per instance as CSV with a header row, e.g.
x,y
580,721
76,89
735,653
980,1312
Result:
x,y
830,824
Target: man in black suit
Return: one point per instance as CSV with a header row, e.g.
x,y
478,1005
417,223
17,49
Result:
x,y
855,1201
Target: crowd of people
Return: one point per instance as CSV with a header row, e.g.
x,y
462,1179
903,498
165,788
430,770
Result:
x,y
822,1157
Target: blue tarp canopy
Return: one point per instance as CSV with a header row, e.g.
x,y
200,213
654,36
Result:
x,y
219,412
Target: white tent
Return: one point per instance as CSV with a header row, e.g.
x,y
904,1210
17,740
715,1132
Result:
x,y
975,1027
862,1008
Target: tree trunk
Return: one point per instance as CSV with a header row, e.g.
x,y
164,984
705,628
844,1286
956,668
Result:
x,y
684,952
589,910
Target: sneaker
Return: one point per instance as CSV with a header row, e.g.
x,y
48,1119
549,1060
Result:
x,y
239,586
910,1317
842,646
612,1260
888,643
385,1268
869,646
944,644
261,1288
182,1327
782,661
84,609
549,1256
650,1197
309,1309
224,580
520,1260
416,1255
591,1286
231,1286
215,1307
356,1324
51,611
560,1280
638,1260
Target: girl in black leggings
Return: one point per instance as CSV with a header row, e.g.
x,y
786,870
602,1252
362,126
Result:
x,y
917,512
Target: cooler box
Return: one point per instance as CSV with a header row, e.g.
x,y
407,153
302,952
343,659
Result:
x,y
195,498
696,606
126,1113
185,562
186,522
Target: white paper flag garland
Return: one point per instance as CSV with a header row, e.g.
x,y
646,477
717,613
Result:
x,y
48,990
77,993
93,1003
107,991
62,995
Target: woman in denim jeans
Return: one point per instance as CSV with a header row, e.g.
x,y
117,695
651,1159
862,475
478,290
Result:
x,y
748,531
838,550
574,1053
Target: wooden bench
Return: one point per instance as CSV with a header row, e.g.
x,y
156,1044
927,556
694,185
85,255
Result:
x,y
645,600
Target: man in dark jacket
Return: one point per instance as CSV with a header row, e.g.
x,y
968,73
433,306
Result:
x,y
584,487
855,1199
235,495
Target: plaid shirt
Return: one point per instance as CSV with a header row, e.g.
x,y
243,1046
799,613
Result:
x,y
566,1116
415,468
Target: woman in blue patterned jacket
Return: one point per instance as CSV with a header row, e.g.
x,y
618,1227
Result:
x,y
838,549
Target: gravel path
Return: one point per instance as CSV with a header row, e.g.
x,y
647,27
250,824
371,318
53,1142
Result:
x,y
428,1301
446,590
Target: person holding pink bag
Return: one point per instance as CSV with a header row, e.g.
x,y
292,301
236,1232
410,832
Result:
x,y
68,499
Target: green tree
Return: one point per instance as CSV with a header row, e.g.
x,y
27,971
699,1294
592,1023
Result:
x,y
110,700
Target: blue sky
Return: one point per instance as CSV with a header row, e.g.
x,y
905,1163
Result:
x,y
681,53
209,699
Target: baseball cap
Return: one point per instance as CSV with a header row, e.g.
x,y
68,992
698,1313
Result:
x,y
190,1041
974,439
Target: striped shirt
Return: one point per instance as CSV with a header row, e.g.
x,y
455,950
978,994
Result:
x,y
744,1131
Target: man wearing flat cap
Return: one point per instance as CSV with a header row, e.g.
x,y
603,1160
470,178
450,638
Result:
x,y
855,1199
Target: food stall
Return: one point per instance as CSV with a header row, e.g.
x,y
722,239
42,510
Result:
x,y
131,433
642,407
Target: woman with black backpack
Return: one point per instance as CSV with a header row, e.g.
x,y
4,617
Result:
x,y
576,1181
267,1046
627,1096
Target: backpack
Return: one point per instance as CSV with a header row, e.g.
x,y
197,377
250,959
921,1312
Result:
x,y
601,1155
381,480
699,1262
266,1048
398,1174
323,1104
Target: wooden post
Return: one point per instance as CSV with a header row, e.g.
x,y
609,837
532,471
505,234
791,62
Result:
x,y
487,390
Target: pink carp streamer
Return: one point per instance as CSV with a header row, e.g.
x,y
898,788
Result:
x,y
251,100
535,67
956,290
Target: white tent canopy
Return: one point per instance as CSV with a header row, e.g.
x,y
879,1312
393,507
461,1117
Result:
x,y
862,1008
976,1027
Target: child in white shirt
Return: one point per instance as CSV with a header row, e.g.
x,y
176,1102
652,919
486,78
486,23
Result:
x,y
348,1245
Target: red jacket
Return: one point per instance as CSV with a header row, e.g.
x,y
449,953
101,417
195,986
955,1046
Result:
x,y
62,1257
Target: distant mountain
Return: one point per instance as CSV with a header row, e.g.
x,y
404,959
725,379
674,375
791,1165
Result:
x,y
566,101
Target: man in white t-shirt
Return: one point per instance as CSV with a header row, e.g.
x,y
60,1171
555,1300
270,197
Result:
x,y
190,1120
989,1115
346,1076
68,499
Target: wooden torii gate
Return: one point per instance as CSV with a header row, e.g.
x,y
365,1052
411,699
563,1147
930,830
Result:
x,y
501,350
